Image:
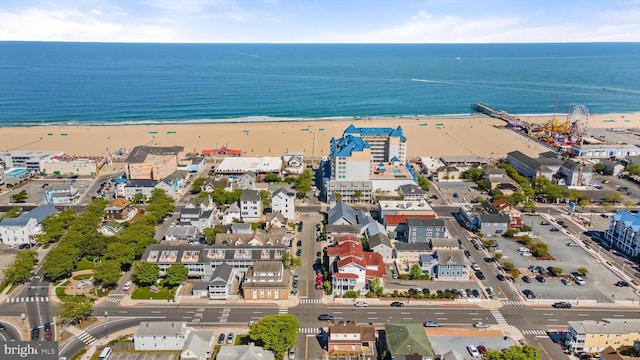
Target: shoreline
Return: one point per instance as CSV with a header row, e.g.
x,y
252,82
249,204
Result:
x,y
468,135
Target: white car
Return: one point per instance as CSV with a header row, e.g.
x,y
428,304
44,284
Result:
x,y
480,325
292,353
473,351
361,304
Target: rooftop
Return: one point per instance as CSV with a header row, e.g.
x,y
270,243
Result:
x,y
240,165
139,153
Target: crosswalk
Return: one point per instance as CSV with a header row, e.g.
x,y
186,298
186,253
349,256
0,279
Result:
x,y
283,310
512,302
310,301
112,299
86,338
28,299
534,332
314,330
498,316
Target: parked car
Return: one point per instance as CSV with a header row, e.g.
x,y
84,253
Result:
x,y
361,304
561,305
540,278
500,277
554,229
545,223
482,349
292,353
325,317
230,338
528,294
397,304
526,279
473,351
35,333
48,335
480,325
622,284
565,281
431,324
221,338
480,275
299,252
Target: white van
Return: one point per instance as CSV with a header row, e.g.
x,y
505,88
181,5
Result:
x,y
473,351
578,280
127,286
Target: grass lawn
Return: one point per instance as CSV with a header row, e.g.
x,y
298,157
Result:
x,y
85,264
60,290
143,293
3,286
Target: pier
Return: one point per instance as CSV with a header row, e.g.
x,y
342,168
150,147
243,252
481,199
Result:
x,y
498,114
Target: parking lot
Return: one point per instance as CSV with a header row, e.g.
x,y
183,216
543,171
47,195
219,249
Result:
x,y
458,192
444,340
36,190
569,257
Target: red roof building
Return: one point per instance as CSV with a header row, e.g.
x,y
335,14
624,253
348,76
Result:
x,y
352,267
224,151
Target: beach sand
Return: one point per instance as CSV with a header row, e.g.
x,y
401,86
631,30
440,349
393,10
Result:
x,y
426,136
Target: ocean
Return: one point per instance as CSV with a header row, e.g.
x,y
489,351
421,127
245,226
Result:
x,y
44,83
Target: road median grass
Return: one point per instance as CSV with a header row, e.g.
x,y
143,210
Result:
x,y
144,293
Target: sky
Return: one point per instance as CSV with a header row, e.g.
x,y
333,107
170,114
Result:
x,y
321,21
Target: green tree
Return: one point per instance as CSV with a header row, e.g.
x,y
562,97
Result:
x,y
352,294
19,197
357,195
210,234
540,250
272,178
75,308
107,273
121,252
14,212
138,198
583,271
423,183
176,274
530,206
144,273
290,262
55,226
555,271
277,333
415,271
632,169
265,197
614,197
508,266
473,174
375,286
197,184
303,184
599,168
498,256
20,269
60,261
338,196
515,352
516,198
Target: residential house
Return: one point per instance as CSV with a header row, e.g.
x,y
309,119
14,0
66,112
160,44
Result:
x,y
24,228
352,338
161,336
119,209
275,220
451,265
145,187
193,165
61,194
231,214
250,205
111,228
412,192
398,223
499,180
247,181
612,168
405,341
593,336
448,172
380,243
489,224
505,207
241,228
184,232
409,208
266,280
423,230
429,165
407,254
335,232
203,203
199,345
221,284
222,182
244,352
444,243
343,214
293,162
429,264
351,267
283,200
196,217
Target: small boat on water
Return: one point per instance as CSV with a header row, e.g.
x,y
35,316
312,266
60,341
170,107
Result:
x,y
458,58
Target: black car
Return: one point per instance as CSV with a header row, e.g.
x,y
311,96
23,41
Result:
x,y
2,327
397,304
500,277
426,291
318,227
526,279
562,305
622,284
480,275
48,335
221,338
541,279
299,252
325,317
528,294
475,293
467,253
35,333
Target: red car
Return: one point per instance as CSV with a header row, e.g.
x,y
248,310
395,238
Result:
x,y
482,349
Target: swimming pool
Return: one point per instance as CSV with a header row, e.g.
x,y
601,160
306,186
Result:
x,y
396,171
15,172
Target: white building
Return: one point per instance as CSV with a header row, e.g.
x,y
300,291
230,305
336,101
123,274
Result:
x,y
29,160
283,201
250,205
24,228
161,336
624,233
293,162
241,165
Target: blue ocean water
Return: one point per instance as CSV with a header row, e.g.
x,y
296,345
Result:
x,y
108,83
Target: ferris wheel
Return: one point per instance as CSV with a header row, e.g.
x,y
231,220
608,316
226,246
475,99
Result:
x,y
579,120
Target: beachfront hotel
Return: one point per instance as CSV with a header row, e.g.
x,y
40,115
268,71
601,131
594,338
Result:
x,y
364,160
153,162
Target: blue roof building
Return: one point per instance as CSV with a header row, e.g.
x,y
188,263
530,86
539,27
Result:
x,y
624,233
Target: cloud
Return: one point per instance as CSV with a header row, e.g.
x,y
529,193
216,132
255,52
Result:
x,y
75,25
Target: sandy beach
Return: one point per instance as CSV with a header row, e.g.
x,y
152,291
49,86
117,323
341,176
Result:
x,y
427,136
